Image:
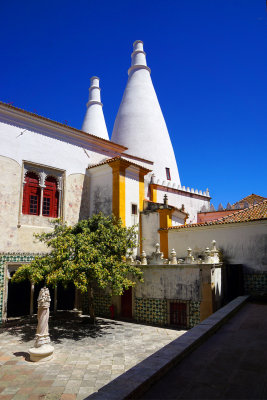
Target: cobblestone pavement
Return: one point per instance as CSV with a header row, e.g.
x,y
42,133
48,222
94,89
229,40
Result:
x,y
85,357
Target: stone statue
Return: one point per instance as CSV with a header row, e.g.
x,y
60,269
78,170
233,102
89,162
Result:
x,y
42,335
42,350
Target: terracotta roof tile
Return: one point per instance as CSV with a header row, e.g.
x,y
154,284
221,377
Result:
x,y
250,199
253,213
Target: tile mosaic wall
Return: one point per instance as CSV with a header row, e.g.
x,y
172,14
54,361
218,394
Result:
x,y
6,258
194,313
102,302
152,311
255,284
155,311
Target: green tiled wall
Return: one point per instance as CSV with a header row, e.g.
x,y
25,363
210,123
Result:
x,y
10,258
153,311
194,313
102,302
255,284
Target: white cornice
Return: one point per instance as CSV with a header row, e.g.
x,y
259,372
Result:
x,y
11,114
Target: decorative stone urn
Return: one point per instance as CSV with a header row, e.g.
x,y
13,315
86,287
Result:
x,y
42,350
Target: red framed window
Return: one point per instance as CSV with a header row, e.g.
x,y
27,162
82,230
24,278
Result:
x,y
50,198
168,174
31,194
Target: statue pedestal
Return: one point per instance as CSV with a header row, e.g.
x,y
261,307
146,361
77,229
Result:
x,y
42,353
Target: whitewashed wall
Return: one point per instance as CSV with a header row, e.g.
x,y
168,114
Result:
x,y
177,219
170,282
25,139
41,147
192,203
150,235
242,243
100,198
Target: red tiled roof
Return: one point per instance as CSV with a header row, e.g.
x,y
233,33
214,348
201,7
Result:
x,y
111,160
253,213
250,199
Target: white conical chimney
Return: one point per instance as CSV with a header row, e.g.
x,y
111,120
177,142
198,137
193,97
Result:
x,y
94,121
140,124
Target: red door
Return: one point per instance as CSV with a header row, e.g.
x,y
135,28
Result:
x,y
178,314
126,304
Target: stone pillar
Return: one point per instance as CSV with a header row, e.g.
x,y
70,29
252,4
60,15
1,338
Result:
x,y
55,299
31,300
59,188
42,186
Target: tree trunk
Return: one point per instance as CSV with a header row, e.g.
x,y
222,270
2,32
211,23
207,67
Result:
x,y
91,303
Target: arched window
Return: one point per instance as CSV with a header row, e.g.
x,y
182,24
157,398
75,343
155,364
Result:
x,y
31,194
50,198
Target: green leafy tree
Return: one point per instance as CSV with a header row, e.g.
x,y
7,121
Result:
x,y
89,254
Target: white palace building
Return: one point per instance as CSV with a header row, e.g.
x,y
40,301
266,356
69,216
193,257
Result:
x,y
51,170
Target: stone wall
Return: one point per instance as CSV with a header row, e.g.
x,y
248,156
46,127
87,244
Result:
x,y
170,282
76,198
17,229
241,243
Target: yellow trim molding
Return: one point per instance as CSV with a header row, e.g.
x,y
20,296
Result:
x,y
165,221
118,183
153,193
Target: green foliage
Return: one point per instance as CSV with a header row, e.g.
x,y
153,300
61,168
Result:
x,y
92,252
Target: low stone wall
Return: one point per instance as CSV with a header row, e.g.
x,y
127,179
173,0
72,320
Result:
x,y
255,284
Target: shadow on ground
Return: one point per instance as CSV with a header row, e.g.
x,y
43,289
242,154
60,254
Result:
x,y
60,329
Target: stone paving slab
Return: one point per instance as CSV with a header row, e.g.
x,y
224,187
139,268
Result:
x,y
133,383
232,364
86,358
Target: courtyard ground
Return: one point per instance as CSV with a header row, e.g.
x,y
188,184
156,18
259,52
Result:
x,y
231,364
85,357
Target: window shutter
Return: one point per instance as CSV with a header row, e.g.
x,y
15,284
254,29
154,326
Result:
x,y
31,195
50,198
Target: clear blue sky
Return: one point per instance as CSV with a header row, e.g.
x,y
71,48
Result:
x,y
209,69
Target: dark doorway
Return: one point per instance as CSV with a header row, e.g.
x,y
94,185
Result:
x,y
126,304
178,315
234,281
65,297
18,298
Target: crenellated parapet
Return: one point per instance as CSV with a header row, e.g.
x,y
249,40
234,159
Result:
x,y
176,186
